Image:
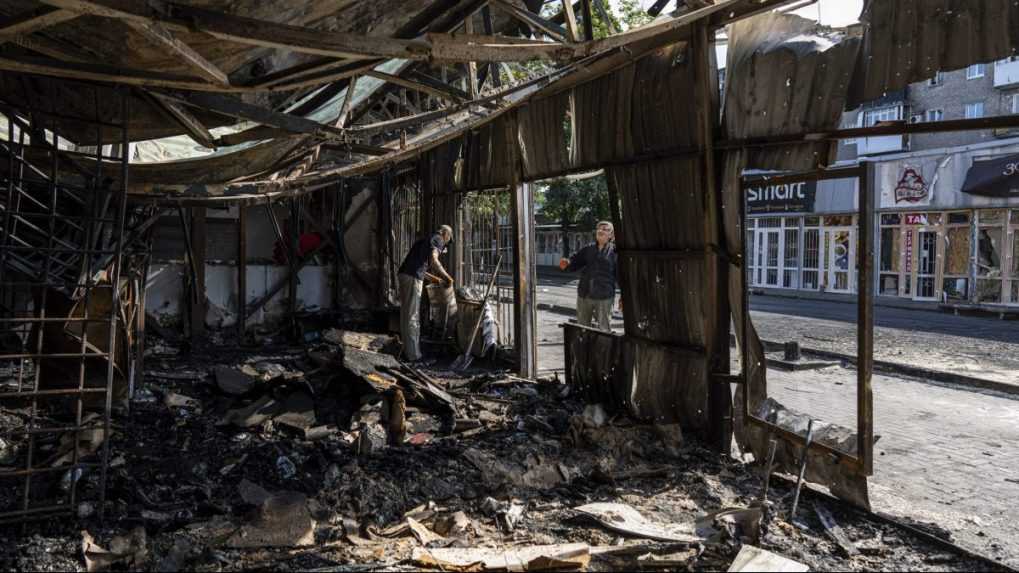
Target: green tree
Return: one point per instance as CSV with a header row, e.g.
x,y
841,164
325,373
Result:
x,y
576,203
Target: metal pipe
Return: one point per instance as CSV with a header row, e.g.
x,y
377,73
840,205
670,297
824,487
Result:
x,y
803,469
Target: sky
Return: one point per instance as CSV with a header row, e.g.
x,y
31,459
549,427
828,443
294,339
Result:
x,y
833,12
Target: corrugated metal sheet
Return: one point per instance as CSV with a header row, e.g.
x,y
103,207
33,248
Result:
x,y
640,109
907,41
544,135
599,367
784,79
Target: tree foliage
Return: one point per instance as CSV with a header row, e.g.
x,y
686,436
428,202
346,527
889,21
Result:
x,y
575,204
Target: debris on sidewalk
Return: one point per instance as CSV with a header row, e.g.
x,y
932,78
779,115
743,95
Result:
x,y
565,557
755,559
125,551
624,519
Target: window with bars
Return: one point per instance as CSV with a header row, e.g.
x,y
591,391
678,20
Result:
x,y
811,259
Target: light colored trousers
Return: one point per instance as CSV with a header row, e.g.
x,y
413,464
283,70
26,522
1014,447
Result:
x,y
598,310
410,315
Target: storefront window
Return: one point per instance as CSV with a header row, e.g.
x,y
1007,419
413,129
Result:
x,y
958,218
890,259
811,258
790,272
995,217
838,221
989,252
890,253
955,286
891,219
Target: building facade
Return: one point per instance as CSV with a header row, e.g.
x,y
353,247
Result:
x,y
947,223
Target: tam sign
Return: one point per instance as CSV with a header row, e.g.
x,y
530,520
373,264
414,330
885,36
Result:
x,y
783,198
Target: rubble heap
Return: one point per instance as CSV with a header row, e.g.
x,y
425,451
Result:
x,y
339,457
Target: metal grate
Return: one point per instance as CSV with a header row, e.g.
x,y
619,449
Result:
x,y
487,234
62,312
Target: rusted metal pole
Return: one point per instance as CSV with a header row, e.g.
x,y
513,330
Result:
x,y
198,246
803,469
524,304
865,323
716,288
242,272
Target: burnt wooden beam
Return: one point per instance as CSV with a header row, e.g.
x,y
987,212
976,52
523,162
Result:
x,y
101,73
455,92
588,22
472,67
160,36
192,126
437,89
236,108
298,72
570,17
360,148
348,100
531,19
493,69
657,7
34,20
250,31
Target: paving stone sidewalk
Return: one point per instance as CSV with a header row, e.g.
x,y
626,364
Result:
x,y
946,456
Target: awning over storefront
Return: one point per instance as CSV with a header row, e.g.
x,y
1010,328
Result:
x,y
994,177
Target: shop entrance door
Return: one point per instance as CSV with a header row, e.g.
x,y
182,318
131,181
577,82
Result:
x,y
926,265
841,251
768,243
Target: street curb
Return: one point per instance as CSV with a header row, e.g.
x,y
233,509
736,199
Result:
x,y
961,381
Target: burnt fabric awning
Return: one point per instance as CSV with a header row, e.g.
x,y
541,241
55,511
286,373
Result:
x,y
994,178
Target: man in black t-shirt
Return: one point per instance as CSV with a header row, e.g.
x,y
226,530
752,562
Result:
x,y
424,253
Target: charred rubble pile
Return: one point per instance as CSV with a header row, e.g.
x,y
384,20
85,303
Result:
x,y
339,457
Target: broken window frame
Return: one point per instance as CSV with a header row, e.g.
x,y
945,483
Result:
x,y
864,173
993,276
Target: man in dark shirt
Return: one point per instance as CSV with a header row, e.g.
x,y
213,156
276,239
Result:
x,y
597,289
424,253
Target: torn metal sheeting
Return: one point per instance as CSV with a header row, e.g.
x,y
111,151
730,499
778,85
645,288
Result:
x,y
846,481
910,41
782,78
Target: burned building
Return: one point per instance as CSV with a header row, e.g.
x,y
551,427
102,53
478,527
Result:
x,y
205,205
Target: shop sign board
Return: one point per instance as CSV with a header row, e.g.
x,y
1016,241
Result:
x,y
919,219
906,184
785,198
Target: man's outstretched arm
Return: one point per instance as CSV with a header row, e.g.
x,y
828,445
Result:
x,y
575,263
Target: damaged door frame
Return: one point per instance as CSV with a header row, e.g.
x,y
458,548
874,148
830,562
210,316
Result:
x,y
864,174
